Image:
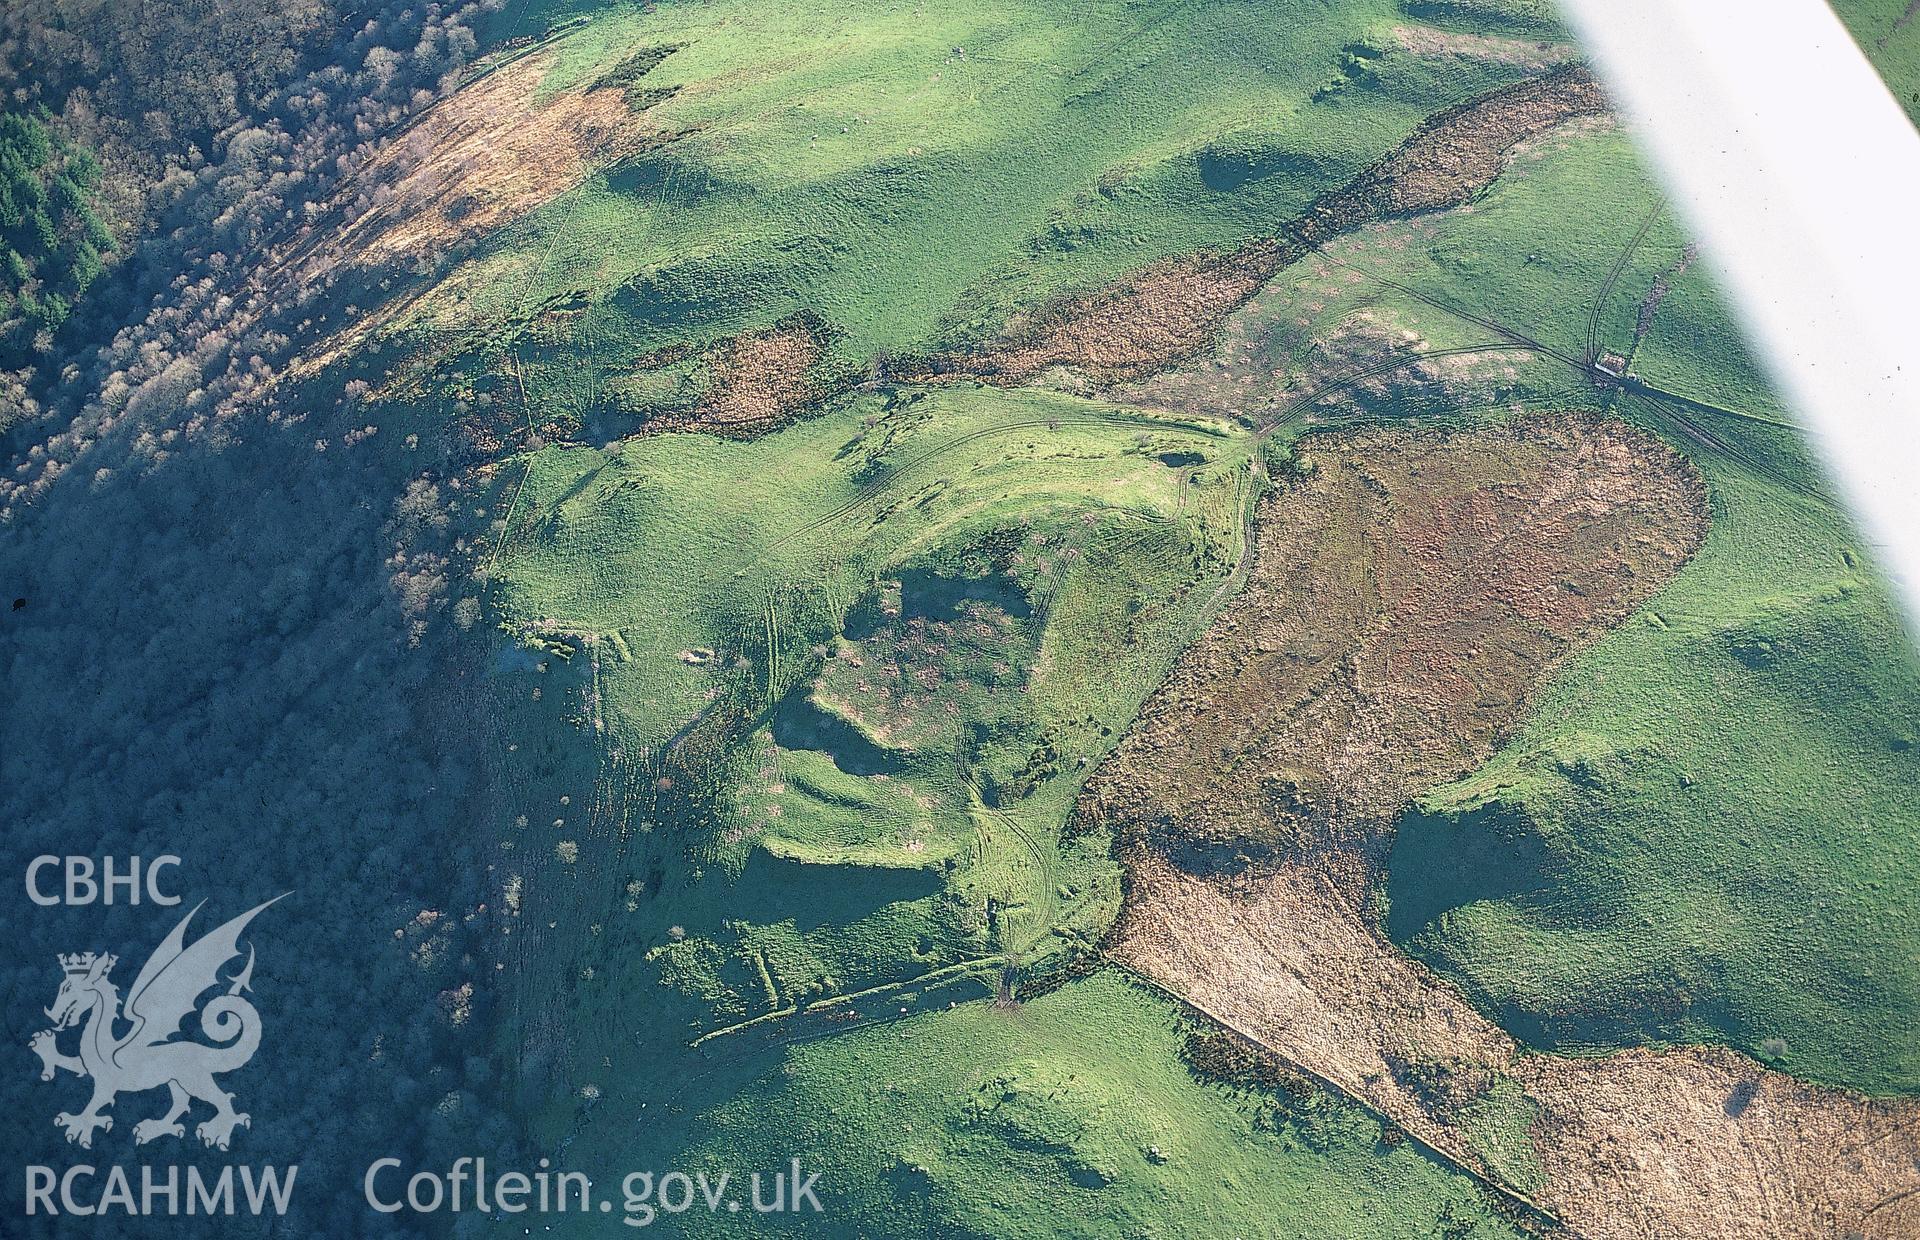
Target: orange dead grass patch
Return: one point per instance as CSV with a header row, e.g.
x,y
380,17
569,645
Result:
x,y
1694,1144
757,381
1406,596
1161,313
1459,153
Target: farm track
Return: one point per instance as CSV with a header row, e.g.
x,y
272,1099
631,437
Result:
x,y
1511,335
1293,410
1605,292
1045,867
1671,408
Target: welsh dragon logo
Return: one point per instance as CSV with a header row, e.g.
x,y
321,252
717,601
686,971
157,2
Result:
x,y
145,1056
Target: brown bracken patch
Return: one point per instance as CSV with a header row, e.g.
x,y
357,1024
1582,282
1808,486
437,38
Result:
x,y
1457,154
1172,309
757,382
1407,594
1164,312
1409,591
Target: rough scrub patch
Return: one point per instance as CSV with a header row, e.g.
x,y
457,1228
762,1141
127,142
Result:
x,y
1432,41
1172,309
1164,312
1408,592
757,382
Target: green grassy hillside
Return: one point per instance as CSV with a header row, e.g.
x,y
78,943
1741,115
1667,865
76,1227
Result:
x,y
911,178
773,740
539,492
1701,835
791,726
1888,34
1073,1116
788,729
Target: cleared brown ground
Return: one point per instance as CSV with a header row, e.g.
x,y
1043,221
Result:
x,y
459,173
480,159
1694,1143
1164,312
1406,597
462,172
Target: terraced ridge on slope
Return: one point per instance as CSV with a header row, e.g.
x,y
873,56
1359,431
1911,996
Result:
x,y
1407,595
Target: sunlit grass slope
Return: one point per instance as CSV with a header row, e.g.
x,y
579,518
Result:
x,y
1889,35
1074,1116
1704,832
912,175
